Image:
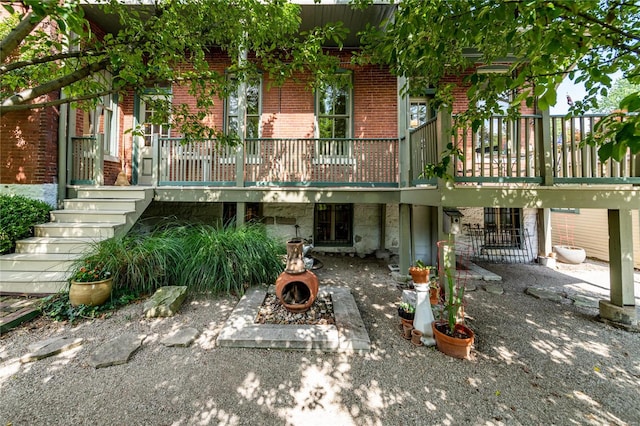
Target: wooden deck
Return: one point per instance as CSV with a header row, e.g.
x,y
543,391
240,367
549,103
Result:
x,y
14,310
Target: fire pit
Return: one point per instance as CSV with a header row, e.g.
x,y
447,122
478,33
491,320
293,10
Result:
x,y
296,288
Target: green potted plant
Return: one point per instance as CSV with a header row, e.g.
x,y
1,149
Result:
x,y
407,313
90,283
420,272
452,336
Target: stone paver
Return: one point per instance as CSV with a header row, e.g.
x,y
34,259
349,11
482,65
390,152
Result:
x,y
543,293
51,347
494,288
183,337
116,351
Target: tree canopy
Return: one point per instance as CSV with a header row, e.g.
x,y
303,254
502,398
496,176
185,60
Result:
x,y
526,49
159,43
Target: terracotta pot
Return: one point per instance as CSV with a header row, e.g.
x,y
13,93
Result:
x,y
408,322
406,331
434,295
419,276
91,293
453,346
416,335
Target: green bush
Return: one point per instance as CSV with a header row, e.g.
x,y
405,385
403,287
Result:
x,y
202,257
18,214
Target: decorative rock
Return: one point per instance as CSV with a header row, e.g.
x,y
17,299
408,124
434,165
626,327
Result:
x,y
116,351
470,286
165,302
585,301
494,288
51,347
183,337
541,293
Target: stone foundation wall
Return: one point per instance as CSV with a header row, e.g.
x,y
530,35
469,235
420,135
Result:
x,y
47,192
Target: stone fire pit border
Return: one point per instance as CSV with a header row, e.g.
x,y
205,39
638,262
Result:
x,y
347,335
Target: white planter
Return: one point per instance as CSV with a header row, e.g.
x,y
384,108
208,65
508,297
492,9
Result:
x,y
569,254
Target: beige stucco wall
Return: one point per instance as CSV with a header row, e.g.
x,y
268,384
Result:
x,y
589,229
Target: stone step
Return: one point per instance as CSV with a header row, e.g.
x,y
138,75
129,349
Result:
x,y
54,245
28,262
80,216
83,230
125,204
21,282
113,192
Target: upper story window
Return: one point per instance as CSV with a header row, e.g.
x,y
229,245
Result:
x,y
253,113
334,116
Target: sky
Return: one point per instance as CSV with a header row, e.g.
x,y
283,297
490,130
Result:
x,y
576,91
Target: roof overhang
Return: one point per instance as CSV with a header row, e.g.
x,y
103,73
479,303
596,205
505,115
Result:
x,y
312,15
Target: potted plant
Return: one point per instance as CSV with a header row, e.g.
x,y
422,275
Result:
x,y
434,290
407,313
452,336
420,272
91,283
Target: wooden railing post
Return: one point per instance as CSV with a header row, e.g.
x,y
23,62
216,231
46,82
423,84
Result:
x,y
443,138
545,149
98,160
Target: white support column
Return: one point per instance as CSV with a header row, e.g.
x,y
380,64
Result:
x,y
621,307
404,251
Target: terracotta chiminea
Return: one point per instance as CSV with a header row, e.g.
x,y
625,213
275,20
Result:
x,y
296,288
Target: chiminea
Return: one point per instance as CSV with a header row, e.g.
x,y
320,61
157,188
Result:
x,y
296,288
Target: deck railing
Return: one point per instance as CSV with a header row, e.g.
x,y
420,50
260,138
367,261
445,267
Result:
x,y
281,162
506,150
84,153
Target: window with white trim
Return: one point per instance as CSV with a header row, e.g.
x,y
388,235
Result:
x,y
334,116
419,111
149,116
253,113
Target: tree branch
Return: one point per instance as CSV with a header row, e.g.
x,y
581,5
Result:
x,y
24,107
12,40
50,58
29,94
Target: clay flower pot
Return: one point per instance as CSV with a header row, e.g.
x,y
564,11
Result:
x,y
406,331
419,275
93,293
416,335
457,346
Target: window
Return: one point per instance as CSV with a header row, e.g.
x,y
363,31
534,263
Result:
x,y
333,224
503,228
419,111
153,125
334,117
253,111
107,123
253,213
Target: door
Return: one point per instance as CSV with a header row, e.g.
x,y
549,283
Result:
x,y
147,144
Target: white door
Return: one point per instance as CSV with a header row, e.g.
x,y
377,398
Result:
x,y
148,145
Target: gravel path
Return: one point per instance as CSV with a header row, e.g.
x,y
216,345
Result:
x,y
535,362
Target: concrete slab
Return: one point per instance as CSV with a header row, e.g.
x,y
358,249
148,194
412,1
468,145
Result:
x,y
347,335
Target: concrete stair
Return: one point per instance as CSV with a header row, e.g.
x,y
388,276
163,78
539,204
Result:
x,y
41,263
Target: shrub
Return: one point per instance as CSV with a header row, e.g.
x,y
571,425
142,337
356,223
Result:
x,y
18,215
202,257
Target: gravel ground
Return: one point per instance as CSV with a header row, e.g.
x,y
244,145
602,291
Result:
x,y
535,362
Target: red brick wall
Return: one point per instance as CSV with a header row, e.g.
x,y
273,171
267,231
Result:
x,y
29,146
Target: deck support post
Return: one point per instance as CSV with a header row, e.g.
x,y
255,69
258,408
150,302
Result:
x,y
621,307
404,252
